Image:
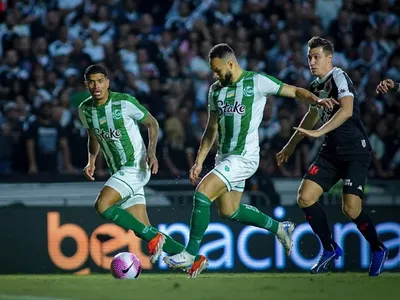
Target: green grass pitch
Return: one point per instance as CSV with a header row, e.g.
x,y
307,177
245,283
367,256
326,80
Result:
x,y
232,286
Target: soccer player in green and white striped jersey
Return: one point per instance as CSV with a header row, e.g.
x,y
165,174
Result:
x,y
111,120
236,105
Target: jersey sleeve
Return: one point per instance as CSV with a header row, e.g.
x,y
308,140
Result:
x,y
135,110
82,117
269,85
343,84
211,99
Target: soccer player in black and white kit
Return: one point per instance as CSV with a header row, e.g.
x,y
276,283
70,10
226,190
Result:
x,y
345,154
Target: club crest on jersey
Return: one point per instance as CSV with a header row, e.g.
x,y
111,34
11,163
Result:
x,y
116,114
224,108
248,91
328,86
110,135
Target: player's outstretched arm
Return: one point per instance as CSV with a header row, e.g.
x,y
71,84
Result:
x,y
345,112
207,141
386,85
308,122
153,128
305,96
208,138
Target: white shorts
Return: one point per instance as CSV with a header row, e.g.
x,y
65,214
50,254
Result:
x,y
129,183
233,170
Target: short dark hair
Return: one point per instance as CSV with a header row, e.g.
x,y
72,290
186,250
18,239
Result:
x,y
96,69
220,51
317,41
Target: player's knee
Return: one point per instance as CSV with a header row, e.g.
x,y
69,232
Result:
x,y
101,204
225,213
351,210
304,200
203,189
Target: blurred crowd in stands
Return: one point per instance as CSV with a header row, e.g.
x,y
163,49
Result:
x,y
157,51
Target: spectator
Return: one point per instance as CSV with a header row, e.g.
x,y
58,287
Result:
x,y
158,52
44,139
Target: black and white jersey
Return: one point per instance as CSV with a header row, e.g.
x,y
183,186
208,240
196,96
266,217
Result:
x,y
350,137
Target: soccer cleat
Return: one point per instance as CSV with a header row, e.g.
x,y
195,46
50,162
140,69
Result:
x,y
198,266
181,260
155,247
378,258
326,258
284,235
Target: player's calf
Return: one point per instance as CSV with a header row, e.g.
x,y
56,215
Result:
x,y
250,215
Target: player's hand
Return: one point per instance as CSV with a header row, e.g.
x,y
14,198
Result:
x,y
384,86
283,156
152,162
327,102
88,171
309,133
194,173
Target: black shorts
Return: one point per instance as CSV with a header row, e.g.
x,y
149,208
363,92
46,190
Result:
x,y
328,169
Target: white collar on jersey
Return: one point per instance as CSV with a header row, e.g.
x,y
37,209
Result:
x,y
326,76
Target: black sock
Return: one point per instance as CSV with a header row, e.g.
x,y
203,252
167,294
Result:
x,y
367,228
316,217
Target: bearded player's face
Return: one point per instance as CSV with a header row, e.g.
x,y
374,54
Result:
x,y
97,84
222,70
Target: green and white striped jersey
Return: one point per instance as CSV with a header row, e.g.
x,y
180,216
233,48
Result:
x,y
115,126
239,107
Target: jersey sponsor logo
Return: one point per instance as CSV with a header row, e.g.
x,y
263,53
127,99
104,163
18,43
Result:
x,y
111,135
248,91
224,108
363,143
325,114
116,114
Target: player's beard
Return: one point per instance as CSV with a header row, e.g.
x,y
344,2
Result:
x,y
227,79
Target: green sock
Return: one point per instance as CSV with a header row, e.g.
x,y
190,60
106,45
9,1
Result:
x,y
172,247
250,215
124,219
198,222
